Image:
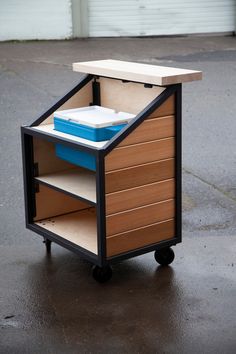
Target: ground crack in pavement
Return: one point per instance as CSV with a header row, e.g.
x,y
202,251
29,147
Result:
x,y
227,195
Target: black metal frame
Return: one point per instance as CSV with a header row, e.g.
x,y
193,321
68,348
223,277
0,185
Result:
x,y
29,132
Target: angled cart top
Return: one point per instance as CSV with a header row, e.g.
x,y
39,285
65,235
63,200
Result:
x,y
125,86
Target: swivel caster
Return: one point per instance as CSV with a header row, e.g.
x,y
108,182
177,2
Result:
x,y
47,244
102,274
164,256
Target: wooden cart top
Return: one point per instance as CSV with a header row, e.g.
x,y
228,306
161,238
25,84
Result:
x,y
149,74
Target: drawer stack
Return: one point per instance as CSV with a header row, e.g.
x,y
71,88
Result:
x,y
140,184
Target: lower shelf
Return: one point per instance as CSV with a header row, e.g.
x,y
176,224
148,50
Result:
x,y
79,182
78,227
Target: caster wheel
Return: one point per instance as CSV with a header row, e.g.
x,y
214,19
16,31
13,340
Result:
x,y
102,274
48,245
164,256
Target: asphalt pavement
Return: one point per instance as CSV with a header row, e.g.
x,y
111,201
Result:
x,y
52,304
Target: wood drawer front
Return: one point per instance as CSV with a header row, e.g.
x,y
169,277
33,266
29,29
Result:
x,y
143,216
141,237
139,154
151,129
166,109
139,196
139,175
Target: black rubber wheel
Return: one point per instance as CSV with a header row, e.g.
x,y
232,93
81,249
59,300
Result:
x,y
164,256
48,245
102,274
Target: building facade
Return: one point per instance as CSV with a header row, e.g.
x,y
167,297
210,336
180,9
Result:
x,y
60,19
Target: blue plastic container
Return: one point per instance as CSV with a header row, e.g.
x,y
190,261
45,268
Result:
x,y
93,123
76,157
86,132
82,158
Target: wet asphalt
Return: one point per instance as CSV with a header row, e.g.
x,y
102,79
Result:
x,y
51,304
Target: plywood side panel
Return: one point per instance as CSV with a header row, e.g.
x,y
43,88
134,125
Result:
x,y
139,175
45,156
166,109
138,238
50,203
81,99
135,218
127,97
139,196
151,129
137,154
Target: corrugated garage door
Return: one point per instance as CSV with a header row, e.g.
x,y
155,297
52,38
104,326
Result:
x,y
160,17
35,19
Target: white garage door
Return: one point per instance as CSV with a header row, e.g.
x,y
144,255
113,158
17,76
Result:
x,y
160,17
35,19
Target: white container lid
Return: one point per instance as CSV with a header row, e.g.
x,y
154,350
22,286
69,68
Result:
x,y
94,116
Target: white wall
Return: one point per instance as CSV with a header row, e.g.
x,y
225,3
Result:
x,y
160,17
52,19
35,19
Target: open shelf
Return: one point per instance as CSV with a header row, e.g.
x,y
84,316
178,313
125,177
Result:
x,y
77,182
49,129
78,227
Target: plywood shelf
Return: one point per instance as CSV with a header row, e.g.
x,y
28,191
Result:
x,y
77,182
49,129
78,227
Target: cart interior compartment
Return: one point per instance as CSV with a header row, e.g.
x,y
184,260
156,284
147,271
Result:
x,y
45,159
82,98
59,174
50,202
122,96
78,182
126,96
78,227
141,237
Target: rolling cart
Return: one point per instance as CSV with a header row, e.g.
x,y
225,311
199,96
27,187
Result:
x,y
131,203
